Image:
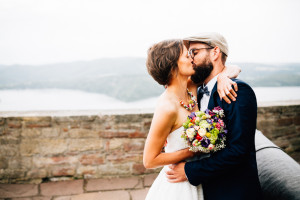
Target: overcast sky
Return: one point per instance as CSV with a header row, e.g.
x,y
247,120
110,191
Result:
x,y
51,31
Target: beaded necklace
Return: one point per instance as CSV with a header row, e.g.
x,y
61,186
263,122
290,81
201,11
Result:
x,y
192,101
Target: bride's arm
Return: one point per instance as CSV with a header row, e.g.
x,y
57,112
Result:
x,y
225,84
162,123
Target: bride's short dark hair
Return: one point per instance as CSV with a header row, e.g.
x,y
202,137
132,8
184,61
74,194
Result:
x,y
162,60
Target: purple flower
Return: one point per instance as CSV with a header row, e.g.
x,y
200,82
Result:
x,y
225,131
205,142
192,115
206,111
209,121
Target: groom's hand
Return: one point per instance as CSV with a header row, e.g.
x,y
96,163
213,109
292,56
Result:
x,y
176,173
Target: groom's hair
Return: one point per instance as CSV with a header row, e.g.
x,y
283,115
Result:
x,y
162,60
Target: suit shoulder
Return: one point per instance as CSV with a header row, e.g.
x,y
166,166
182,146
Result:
x,y
242,84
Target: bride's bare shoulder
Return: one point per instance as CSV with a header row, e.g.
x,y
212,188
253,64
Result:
x,y
167,105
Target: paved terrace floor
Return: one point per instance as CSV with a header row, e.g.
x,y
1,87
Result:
x,y
131,188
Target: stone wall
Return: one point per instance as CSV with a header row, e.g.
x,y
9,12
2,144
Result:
x,y
281,124
42,149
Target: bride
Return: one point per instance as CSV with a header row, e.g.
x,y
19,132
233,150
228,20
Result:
x,y
170,65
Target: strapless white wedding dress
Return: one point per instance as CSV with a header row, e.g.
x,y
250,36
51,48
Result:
x,y
161,189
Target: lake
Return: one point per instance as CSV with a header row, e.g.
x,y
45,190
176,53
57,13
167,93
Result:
x,y
58,99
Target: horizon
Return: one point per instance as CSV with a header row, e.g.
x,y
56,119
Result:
x,y
139,57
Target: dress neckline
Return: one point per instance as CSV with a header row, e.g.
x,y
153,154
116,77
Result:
x,y
176,129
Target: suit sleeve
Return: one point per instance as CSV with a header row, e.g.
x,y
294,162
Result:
x,y
240,119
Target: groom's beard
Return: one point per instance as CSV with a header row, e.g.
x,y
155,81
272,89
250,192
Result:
x,y
202,71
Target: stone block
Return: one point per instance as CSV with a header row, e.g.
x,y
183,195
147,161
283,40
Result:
x,y
113,184
284,121
112,195
29,147
136,145
3,162
9,140
121,157
138,134
9,150
31,133
2,121
14,122
9,175
115,143
14,163
139,194
80,145
41,198
87,196
18,190
62,188
138,168
63,171
149,179
297,120
113,134
51,146
86,171
92,159
147,124
114,169
83,133
50,132
26,162
63,198
36,173
51,161
283,131
37,122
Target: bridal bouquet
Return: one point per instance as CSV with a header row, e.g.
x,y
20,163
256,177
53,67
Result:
x,y
205,131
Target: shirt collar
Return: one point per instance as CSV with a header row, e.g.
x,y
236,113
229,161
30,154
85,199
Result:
x,y
210,85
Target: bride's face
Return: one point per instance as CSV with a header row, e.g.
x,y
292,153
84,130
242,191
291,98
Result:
x,y
185,66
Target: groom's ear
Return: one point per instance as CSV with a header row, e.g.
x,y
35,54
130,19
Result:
x,y
215,53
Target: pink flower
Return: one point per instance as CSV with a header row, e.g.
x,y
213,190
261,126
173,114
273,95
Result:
x,y
218,126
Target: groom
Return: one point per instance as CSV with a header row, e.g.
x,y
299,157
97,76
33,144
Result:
x,y
230,173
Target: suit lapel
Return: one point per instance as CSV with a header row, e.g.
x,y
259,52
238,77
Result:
x,y
212,103
199,97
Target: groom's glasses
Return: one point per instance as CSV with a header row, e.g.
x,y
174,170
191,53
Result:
x,y
192,51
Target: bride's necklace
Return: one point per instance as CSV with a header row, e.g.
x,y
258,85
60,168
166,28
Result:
x,y
192,101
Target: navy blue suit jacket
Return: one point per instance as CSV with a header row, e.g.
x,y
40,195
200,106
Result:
x,y
231,173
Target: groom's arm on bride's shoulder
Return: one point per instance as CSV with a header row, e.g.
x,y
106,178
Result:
x,y
240,121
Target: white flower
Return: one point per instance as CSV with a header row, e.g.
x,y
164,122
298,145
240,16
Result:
x,y
190,133
202,132
195,143
211,146
196,128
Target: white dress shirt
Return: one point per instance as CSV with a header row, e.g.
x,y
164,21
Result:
x,y
205,99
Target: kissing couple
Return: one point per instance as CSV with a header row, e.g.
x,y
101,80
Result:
x,y
196,79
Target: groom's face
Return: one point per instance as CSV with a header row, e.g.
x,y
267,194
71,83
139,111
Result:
x,y
201,61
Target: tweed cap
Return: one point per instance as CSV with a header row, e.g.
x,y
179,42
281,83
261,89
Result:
x,y
211,38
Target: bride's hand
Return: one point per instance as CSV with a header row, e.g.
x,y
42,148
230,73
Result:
x,y
225,89
225,84
188,153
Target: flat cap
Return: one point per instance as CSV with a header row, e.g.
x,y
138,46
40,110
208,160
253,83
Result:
x,y
212,39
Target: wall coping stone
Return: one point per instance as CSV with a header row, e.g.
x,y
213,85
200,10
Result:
x,y
61,113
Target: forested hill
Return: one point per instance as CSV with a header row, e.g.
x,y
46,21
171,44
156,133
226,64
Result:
x,y
126,78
